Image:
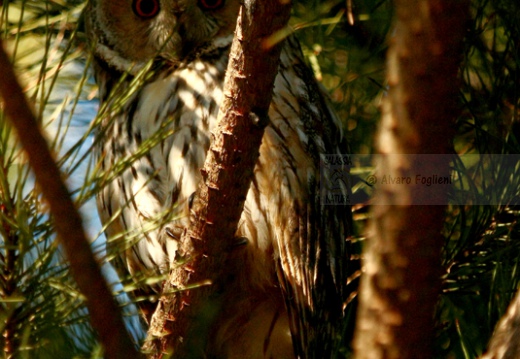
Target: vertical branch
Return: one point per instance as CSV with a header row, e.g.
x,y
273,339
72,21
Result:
x,y
104,312
227,176
402,257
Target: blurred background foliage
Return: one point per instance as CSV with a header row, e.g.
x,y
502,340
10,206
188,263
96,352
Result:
x,y
43,315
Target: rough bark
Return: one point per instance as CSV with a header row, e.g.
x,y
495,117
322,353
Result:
x,y
227,176
400,283
104,311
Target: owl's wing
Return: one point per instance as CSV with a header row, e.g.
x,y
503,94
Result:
x,y
312,246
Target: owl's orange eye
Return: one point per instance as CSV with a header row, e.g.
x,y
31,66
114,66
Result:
x,y
146,8
211,4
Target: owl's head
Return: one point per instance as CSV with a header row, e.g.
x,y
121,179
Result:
x,y
126,32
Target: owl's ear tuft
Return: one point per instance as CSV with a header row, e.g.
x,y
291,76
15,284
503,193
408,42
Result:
x,y
146,9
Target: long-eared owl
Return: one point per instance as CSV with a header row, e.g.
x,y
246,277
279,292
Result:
x,y
160,66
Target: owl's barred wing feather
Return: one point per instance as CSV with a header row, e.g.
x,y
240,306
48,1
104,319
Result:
x,y
311,238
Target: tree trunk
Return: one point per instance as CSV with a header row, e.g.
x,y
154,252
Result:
x,y
400,283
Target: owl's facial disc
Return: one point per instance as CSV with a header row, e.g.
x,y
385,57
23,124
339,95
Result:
x,y
136,31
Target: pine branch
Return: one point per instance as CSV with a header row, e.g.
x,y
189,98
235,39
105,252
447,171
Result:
x,y
401,282
104,312
227,176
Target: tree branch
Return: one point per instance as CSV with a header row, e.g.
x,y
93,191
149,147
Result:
x,y
227,176
401,281
104,311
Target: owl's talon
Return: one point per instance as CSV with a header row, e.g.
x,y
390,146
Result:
x,y
259,119
238,242
191,199
175,232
